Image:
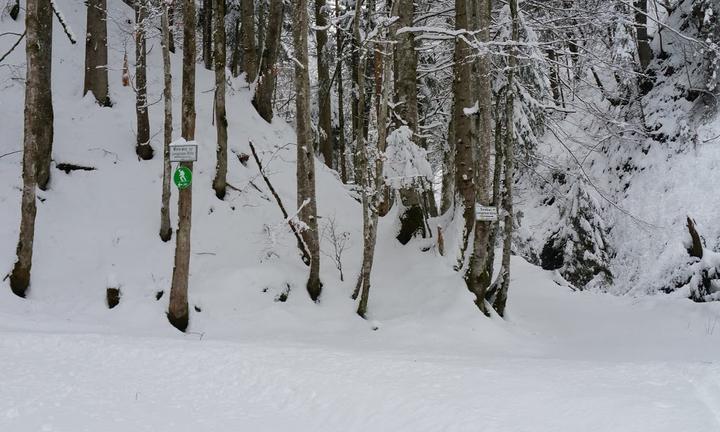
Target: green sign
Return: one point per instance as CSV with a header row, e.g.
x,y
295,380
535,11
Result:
x,y
182,177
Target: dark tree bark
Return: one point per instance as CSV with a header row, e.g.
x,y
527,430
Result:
x,y
44,108
342,157
96,56
142,148
38,22
220,181
324,122
248,39
178,313
306,196
464,163
206,18
477,276
266,84
165,228
509,156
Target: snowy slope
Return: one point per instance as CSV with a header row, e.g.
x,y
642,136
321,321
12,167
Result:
x,y
562,361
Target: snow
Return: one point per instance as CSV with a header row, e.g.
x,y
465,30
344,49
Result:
x,y
426,360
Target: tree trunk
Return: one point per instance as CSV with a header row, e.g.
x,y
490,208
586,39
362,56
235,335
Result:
x,y
247,10
165,228
262,101
206,16
464,164
44,139
324,120
96,56
448,182
477,277
38,22
501,298
645,53
142,148
342,157
374,173
237,46
412,220
306,197
178,313
220,181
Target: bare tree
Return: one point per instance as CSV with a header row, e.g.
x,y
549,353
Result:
x,y
178,313
38,24
247,11
220,181
44,108
165,228
464,146
206,20
306,196
508,154
324,122
477,276
96,56
262,101
142,148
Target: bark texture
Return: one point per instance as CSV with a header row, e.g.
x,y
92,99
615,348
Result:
x,y
142,147
206,18
44,109
220,181
165,228
306,197
247,11
464,164
324,121
178,313
501,297
96,56
268,73
38,22
477,276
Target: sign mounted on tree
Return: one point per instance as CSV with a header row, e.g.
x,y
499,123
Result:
x,y
183,151
485,214
182,177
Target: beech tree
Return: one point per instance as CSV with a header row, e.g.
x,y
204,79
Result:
x,y
165,228
220,180
96,56
249,49
178,313
306,196
262,100
142,147
325,133
38,94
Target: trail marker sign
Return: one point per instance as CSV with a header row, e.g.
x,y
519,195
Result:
x,y
183,152
485,214
182,177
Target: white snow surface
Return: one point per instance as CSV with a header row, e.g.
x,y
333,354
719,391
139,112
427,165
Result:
x,y
560,361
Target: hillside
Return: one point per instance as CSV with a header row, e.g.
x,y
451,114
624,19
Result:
x,y
259,355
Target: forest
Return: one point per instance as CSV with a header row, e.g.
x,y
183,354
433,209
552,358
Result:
x,y
311,196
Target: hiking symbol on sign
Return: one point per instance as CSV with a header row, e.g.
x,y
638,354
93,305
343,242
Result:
x,y
182,177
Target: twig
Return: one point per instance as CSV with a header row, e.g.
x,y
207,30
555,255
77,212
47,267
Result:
x,y
301,244
14,46
11,153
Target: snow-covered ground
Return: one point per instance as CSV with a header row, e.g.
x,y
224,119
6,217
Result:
x,y
561,361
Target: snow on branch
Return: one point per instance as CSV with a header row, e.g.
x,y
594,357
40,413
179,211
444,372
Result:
x,y
405,161
63,22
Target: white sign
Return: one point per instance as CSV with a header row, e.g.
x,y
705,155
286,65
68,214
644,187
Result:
x,y
485,214
183,152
